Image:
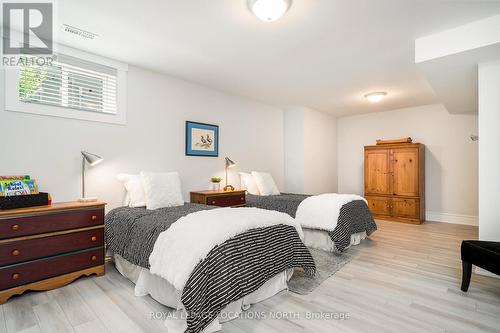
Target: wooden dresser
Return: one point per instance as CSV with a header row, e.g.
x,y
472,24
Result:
x,y
46,247
395,182
236,198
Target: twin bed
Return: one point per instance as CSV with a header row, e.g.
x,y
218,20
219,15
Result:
x,y
209,264
354,221
203,261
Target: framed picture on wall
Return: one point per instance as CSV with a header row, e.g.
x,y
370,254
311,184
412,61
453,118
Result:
x,y
202,139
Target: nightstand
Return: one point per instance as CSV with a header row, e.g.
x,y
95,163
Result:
x,y
46,247
221,198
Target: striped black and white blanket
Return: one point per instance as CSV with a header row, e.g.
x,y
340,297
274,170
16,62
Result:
x,y
215,256
354,217
240,266
350,217
284,202
132,232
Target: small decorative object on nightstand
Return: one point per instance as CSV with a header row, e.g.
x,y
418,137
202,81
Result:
x,y
234,198
215,183
47,247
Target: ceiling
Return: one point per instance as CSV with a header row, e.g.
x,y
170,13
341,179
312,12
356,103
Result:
x,y
323,54
450,61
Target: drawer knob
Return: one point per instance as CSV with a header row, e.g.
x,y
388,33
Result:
x,y
94,217
15,276
242,198
16,252
15,227
93,238
213,202
94,258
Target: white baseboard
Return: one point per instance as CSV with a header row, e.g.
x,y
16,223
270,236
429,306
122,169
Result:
x,y
451,218
484,272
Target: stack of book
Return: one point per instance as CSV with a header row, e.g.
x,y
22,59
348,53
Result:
x,y
21,191
17,185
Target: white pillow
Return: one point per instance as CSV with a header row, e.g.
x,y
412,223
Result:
x,y
135,192
248,183
162,189
265,183
126,200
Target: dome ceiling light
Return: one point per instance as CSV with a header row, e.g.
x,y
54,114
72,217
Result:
x,y
269,10
375,97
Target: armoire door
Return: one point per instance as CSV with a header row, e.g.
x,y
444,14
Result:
x,y
405,172
377,172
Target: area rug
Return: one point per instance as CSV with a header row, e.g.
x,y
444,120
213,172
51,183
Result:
x,y
327,264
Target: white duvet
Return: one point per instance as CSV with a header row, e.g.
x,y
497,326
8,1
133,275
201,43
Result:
x,y
180,248
322,211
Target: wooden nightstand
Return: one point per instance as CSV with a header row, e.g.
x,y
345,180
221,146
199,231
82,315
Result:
x,y
47,247
234,198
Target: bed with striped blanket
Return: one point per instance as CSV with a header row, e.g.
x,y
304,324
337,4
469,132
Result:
x,y
331,221
212,258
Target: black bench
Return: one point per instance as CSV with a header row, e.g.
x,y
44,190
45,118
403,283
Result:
x,y
479,253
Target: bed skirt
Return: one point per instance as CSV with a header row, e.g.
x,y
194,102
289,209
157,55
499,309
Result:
x,y
321,240
163,292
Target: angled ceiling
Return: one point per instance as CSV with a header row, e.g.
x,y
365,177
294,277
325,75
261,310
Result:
x,y
324,54
450,61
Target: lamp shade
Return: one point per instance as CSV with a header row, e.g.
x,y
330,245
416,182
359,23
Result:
x,y
92,159
229,163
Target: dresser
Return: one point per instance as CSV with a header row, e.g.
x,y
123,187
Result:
x,y
395,181
46,247
236,198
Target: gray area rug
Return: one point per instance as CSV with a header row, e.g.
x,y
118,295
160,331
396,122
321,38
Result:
x,y
327,264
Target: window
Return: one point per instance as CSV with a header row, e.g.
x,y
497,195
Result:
x,y
70,86
69,83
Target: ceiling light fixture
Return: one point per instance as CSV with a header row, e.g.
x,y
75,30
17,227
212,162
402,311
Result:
x,y
375,97
269,10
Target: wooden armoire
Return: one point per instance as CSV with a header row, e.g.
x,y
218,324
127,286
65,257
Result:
x,y
394,181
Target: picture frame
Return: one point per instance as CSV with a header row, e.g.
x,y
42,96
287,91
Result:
x,y
202,139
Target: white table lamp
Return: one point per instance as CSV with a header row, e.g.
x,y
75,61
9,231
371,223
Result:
x,y
92,160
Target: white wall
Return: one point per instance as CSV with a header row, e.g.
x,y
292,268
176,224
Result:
x,y
310,151
489,151
451,157
320,153
48,148
294,150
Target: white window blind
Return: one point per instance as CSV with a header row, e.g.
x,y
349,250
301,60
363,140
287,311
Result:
x,y
70,83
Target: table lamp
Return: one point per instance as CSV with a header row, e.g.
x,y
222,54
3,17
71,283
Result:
x,y
229,164
92,160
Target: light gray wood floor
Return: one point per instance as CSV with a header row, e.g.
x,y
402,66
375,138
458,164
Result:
x,y
404,279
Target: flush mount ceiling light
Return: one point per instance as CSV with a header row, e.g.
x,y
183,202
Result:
x,y
375,97
269,10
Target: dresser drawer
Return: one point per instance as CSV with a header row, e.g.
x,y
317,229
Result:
x,y
379,205
409,208
226,200
19,251
32,225
36,270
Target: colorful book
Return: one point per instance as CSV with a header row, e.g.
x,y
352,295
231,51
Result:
x,y
18,187
20,177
